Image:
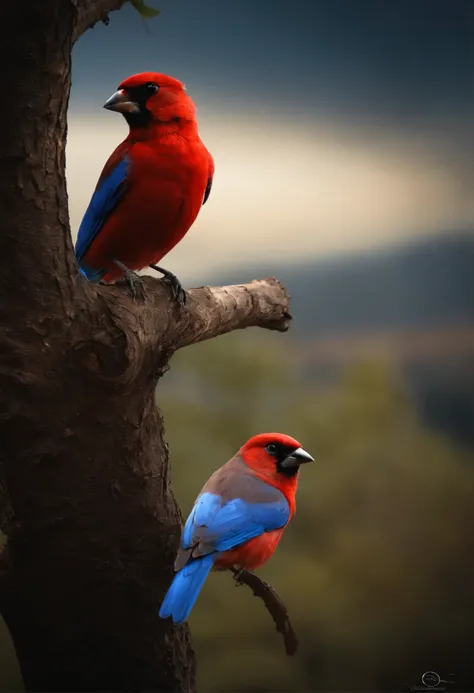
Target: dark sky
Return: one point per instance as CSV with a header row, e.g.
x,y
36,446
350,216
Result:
x,y
407,62
348,121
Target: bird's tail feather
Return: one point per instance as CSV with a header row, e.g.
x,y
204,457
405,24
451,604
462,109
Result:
x,y
185,588
90,274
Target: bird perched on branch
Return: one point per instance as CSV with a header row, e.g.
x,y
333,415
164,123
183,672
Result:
x,y
238,518
152,187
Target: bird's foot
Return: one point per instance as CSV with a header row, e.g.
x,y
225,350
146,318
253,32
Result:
x,y
237,577
134,282
132,279
179,294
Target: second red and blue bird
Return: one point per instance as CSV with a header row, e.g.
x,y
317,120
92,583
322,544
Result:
x,y
153,185
238,518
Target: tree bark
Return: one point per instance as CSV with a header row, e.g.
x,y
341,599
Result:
x,y
85,500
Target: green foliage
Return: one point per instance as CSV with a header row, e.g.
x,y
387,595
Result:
x,y
144,10
371,567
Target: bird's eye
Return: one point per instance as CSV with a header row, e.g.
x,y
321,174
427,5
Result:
x,y
271,449
152,88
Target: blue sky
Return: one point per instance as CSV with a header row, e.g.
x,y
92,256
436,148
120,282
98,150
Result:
x,y
336,125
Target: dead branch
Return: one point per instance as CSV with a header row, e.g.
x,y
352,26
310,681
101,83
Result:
x,y
209,311
218,310
273,604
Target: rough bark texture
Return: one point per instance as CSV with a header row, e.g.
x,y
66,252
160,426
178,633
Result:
x,y
85,500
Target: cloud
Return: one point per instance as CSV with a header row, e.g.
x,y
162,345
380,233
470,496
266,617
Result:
x,y
286,191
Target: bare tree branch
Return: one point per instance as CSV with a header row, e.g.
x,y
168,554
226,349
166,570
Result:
x,y
89,12
211,312
273,604
160,325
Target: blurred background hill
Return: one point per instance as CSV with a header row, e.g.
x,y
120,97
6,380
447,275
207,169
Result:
x,y
376,379
411,305
376,568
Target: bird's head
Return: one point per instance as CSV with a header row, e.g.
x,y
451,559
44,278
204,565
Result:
x,y
274,454
151,96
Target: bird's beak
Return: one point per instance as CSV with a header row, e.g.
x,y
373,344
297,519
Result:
x,y
297,457
120,102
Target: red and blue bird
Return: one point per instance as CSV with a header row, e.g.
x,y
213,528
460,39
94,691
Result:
x,y
238,518
151,188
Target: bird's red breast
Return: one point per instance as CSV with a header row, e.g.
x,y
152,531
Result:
x,y
253,554
234,479
167,181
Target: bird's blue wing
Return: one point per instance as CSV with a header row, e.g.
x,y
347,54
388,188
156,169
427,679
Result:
x,y
217,526
108,193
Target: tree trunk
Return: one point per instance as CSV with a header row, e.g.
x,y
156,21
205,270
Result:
x,y
85,500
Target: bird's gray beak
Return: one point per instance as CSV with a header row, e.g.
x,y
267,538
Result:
x,y
120,102
297,457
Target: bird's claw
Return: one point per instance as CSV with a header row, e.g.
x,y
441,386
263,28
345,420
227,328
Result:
x,y
237,577
132,279
179,294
